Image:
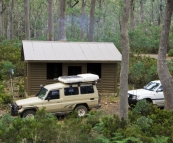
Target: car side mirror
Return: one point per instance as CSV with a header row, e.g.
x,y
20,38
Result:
x,y
48,98
159,90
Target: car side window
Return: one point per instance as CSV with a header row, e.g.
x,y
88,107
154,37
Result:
x,y
71,91
54,94
160,88
86,89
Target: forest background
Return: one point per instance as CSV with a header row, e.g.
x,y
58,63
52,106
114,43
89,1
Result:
x,y
85,20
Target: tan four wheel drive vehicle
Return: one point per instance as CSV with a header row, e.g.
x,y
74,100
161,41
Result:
x,y
77,93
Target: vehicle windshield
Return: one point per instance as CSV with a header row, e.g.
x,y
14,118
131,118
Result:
x,y
151,86
42,93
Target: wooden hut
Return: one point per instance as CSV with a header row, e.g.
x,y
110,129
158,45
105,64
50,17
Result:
x,y
46,60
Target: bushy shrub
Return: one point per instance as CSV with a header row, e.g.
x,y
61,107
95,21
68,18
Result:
x,y
170,53
142,70
41,129
145,39
6,98
109,125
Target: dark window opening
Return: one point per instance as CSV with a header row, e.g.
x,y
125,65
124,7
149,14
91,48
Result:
x,y
71,91
74,70
54,94
86,89
94,68
54,70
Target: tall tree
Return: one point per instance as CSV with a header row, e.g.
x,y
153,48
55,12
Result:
x,y
132,15
125,61
61,20
163,71
160,12
50,21
91,25
1,11
142,11
27,20
11,19
83,19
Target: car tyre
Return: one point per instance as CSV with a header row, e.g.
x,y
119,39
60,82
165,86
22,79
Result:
x,y
81,110
29,114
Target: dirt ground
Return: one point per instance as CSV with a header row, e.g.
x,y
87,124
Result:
x,y
155,56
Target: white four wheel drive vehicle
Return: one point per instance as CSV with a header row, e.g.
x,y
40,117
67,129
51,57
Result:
x,y
152,92
77,93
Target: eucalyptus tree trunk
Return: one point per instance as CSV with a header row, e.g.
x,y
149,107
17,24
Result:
x,y
11,19
125,61
160,12
50,21
163,71
27,20
91,25
142,11
8,25
132,15
61,20
83,20
1,11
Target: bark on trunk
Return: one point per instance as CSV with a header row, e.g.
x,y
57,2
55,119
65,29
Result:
x,y
11,19
132,15
50,21
61,20
125,61
8,25
91,25
141,11
160,12
164,74
83,20
1,31
27,21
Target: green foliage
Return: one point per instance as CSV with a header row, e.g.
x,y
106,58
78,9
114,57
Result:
x,y
41,129
5,69
142,70
151,126
5,98
145,38
109,125
143,108
10,57
170,53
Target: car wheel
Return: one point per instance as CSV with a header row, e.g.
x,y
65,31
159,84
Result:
x,y
29,114
81,110
149,101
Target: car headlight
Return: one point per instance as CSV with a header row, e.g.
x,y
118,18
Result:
x,y
134,97
19,107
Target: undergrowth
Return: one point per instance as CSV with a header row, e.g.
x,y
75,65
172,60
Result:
x,y
146,124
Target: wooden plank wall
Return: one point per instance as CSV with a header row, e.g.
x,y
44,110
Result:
x,y
26,77
109,78
37,75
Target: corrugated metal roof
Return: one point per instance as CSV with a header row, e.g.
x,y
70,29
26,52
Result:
x,y
70,51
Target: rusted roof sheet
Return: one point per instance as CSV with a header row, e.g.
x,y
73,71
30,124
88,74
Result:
x,y
70,51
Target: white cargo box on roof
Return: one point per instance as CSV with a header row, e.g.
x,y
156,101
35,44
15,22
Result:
x,y
79,78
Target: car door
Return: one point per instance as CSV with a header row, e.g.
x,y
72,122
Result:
x,y
159,96
52,102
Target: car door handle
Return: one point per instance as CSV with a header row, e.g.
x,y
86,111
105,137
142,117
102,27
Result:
x,y
91,98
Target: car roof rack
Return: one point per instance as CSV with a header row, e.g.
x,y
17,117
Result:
x,y
80,78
